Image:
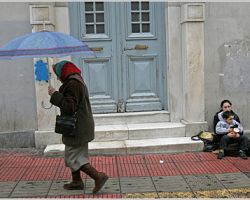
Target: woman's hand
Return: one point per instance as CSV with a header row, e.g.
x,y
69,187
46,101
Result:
x,y
51,90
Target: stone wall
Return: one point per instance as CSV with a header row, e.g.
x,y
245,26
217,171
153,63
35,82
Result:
x,y
227,58
18,119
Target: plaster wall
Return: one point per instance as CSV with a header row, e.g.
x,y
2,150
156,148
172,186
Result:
x,y
17,89
227,61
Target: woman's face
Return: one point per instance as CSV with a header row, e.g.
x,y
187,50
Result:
x,y
226,107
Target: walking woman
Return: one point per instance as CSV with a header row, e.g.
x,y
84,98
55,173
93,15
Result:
x,y
73,97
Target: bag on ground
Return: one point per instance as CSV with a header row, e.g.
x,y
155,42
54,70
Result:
x,y
208,140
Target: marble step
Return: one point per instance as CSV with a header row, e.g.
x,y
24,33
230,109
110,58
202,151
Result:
x,y
139,131
120,132
131,118
126,147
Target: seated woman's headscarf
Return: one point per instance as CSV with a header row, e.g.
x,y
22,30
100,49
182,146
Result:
x,y
65,68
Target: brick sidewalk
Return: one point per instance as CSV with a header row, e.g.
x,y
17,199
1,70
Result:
x,y
145,176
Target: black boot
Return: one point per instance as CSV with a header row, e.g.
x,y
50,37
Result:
x,y
221,154
99,177
76,183
243,155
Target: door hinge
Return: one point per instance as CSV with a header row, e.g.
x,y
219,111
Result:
x,y
120,106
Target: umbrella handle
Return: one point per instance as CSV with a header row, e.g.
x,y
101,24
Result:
x,y
47,108
49,81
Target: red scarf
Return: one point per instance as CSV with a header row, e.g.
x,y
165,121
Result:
x,y
68,69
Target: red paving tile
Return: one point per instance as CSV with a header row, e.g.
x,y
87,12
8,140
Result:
x,y
73,196
232,159
185,157
108,196
156,158
16,161
135,169
243,165
40,173
110,170
220,167
186,168
206,156
166,169
46,162
106,160
130,159
103,196
62,173
11,174
14,168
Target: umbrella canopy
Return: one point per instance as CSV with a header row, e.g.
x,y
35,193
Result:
x,y
43,44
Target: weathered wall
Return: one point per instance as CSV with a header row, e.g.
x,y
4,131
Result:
x,y
227,60
17,99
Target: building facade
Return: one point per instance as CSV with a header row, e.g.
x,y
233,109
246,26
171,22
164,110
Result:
x,y
175,58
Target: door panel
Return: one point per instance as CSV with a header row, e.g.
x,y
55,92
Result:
x,y
99,78
142,84
142,57
127,73
99,72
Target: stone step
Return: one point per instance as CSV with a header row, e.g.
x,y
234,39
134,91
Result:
x,y
131,118
138,131
120,132
145,146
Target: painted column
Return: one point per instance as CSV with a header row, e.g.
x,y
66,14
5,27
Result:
x,y
192,28
55,19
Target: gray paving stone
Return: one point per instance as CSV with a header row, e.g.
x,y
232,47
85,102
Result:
x,y
203,182
170,184
111,186
4,194
58,190
31,188
6,188
136,184
247,174
234,180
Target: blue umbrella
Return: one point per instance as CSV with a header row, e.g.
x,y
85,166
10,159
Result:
x,y
43,44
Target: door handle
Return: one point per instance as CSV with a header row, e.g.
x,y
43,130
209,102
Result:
x,y
138,47
96,48
141,47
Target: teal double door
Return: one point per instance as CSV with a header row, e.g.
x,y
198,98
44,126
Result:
x,y
128,38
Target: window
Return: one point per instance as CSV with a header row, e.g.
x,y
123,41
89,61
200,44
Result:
x,y
94,18
140,17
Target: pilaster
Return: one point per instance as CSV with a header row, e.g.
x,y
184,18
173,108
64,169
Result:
x,y
175,75
192,28
52,17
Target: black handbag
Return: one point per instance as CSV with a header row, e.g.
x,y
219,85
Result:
x,y
66,124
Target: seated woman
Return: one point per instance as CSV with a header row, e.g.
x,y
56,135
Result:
x,y
225,105
230,131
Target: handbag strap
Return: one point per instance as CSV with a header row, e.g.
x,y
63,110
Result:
x,y
196,137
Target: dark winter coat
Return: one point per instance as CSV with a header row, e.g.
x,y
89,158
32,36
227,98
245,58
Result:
x,y
73,94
